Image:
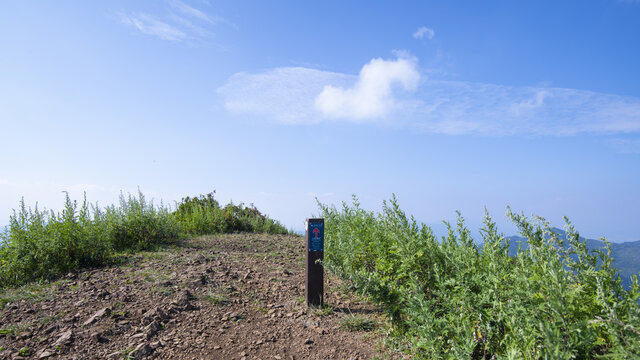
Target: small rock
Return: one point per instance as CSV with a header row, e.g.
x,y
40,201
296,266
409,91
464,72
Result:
x,y
97,337
157,313
141,351
182,301
97,316
152,329
43,354
146,320
65,338
308,342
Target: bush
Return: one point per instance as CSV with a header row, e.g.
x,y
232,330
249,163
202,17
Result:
x,y
456,299
203,215
38,245
139,225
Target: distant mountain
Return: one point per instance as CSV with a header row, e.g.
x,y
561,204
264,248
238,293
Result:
x,y
626,256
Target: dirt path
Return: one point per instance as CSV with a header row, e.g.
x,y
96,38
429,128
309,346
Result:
x,y
220,297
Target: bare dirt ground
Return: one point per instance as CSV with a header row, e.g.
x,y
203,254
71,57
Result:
x,y
218,297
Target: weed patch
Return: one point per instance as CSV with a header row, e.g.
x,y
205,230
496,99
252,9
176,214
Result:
x,y
39,245
452,298
203,215
353,322
324,310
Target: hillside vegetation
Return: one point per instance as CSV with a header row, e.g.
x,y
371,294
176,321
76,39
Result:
x,y
39,245
626,256
451,298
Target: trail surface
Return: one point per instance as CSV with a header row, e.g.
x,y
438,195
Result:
x,y
218,297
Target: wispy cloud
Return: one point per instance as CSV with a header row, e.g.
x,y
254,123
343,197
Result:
x,y
282,94
424,32
194,13
179,23
304,95
149,25
189,11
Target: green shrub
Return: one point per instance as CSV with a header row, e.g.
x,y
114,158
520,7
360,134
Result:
x,y
38,245
451,298
137,224
203,215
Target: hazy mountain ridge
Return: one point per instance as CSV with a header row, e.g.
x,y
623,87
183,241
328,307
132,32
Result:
x,y
626,255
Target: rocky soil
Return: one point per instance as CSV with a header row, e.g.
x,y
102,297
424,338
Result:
x,y
219,297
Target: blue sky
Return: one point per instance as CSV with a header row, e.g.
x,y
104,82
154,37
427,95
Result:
x,y
449,105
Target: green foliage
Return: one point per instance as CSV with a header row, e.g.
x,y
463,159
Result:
x,y
138,224
357,323
216,298
451,298
41,244
203,215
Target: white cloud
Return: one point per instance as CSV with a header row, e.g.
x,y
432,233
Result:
x,y
423,32
371,96
454,107
304,95
149,25
189,11
283,94
180,23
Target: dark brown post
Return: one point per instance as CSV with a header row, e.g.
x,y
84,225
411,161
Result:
x,y
315,251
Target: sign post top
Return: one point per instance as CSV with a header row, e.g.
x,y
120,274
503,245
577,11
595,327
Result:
x,y
315,234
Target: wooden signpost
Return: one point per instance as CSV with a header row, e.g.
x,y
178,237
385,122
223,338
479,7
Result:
x,y
315,254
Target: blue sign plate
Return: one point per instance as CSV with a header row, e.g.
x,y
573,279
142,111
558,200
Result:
x,y
316,236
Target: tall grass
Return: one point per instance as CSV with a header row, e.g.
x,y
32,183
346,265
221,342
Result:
x,y
451,298
203,215
41,244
